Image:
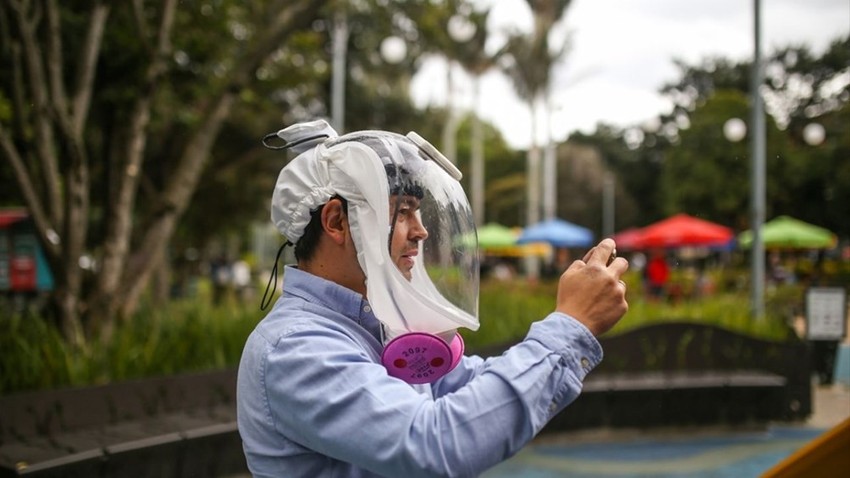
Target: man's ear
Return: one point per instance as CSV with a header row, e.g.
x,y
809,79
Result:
x,y
335,221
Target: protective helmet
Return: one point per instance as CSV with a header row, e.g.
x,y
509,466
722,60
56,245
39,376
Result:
x,y
373,170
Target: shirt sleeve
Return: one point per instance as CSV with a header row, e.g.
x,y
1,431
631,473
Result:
x,y
326,393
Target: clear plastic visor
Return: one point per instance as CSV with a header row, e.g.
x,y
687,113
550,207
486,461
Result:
x,y
431,241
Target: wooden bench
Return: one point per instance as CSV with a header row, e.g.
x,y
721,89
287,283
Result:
x,y
164,427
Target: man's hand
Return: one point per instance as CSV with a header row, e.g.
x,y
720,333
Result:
x,y
591,291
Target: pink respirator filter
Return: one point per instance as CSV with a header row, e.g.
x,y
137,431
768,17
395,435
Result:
x,y
418,357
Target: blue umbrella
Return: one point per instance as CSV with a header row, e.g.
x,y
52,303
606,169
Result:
x,y
558,233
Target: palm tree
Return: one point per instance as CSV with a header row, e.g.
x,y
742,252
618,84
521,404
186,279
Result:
x,y
529,66
472,56
457,31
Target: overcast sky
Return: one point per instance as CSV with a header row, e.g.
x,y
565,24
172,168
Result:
x,y
622,54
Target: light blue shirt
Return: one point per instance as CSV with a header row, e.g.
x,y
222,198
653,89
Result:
x,y
313,399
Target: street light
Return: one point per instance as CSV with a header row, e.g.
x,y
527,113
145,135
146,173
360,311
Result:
x,y
461,29
393,49
814,134
339,41
757,144
734,129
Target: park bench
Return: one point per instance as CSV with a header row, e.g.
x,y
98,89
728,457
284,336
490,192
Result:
x,y
163,427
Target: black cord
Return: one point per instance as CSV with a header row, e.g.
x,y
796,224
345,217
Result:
x,y
267,138
263,303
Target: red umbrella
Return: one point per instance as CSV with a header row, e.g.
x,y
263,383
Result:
x,y
628,239
684,230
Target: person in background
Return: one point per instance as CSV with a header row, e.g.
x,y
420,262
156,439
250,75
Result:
x,y
657,274
358,369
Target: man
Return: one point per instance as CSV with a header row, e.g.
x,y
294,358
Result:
x,y
358,370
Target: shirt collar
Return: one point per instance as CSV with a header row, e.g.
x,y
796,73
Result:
x,y
317,290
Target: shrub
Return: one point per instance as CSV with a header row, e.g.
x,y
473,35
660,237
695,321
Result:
x,y
193,335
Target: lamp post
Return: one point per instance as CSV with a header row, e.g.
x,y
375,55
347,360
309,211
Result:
x,y
757,147
460,31
735,130
340,51
550,163
608,206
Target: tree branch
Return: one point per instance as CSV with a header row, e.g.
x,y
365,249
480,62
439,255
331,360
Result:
x,y
53,58
87,66
120,210
44,140
42,223
139,16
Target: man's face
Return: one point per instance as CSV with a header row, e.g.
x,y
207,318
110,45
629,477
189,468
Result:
x,y
407,233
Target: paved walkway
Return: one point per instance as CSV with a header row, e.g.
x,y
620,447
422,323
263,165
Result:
x,y
697,453
692,453
830,405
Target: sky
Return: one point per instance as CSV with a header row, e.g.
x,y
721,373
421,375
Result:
x,y
622,53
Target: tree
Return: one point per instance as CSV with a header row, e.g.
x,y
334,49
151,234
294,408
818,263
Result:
x,y
684,162
90,84
706,175
530,59
295,87
503,176
704,172
460,34
637,171
473,57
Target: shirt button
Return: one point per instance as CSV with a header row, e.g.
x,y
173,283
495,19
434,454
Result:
x,y
367,309
552,407
585,363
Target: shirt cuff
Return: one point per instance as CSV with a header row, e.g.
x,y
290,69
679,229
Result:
x,y
570,339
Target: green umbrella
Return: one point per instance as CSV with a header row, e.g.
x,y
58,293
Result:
x,y
785,232
494,235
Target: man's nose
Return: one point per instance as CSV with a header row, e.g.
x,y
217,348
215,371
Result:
x,y
418,231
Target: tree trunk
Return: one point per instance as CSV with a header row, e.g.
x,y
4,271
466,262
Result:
x,y
477,160
116,245
532,263
174,201
162,284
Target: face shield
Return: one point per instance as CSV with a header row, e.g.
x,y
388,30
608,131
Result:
x,y
410,220
413,230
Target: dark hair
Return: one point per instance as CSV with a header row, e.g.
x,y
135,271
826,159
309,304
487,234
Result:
x,y
305,247
401,183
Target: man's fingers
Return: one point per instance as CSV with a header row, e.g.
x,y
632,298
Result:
x,y
601,253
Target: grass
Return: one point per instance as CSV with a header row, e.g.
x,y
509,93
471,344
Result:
x,y
183,336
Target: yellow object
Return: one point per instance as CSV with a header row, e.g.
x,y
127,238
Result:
x,y
520,250
827,455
